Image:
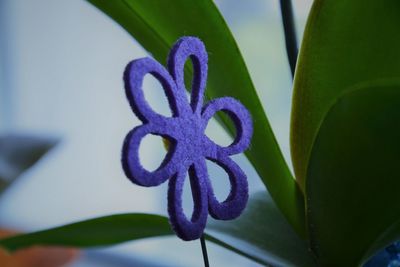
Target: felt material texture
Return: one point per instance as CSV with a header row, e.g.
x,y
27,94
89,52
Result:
x,y
190,147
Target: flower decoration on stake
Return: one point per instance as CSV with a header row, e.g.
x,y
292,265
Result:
x,y
189,146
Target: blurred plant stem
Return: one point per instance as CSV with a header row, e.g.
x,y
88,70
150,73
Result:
x,y
290,33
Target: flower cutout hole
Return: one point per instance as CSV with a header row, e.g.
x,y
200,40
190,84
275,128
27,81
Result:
x,y
192,79
155,95
216,133
188,74
219,180
187,198
152,161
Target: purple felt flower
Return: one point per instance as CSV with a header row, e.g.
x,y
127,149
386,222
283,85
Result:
x,y
190,147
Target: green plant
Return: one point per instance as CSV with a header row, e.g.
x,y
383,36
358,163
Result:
x,y
342,207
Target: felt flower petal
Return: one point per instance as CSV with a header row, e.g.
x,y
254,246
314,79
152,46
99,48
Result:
x,y
130,157
133,78
189,229
236,201
190,147
184,48
241,119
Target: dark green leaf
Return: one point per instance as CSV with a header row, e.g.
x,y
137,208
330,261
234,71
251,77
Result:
x,y
353,177
101,231
345,43
261,234
18,153
156,25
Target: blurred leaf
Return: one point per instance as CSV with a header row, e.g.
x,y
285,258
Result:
x,y
18,153
353,177
36,256
345,43
156,25
261,234
101,231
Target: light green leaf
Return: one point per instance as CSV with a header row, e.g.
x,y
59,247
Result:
x,y
353,177
345,43
261,234
157,25
18,153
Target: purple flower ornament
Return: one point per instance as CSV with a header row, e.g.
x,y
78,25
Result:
x,y
189,146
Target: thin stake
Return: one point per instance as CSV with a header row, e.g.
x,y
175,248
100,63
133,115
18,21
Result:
x,y
290,33
204,250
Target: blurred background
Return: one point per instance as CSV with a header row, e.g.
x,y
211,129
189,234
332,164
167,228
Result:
x,y
61,65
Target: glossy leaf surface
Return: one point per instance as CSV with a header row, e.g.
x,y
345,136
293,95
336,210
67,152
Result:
x,y
345,43
353,177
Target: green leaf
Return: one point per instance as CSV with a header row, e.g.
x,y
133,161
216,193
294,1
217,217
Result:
x,y
156,25
261,234
353,176
345,43
18,153
101,231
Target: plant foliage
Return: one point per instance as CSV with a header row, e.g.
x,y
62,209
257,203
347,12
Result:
x,y
344,136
